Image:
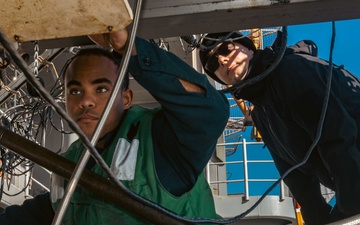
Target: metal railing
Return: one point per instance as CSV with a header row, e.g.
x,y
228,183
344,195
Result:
x,y
245,168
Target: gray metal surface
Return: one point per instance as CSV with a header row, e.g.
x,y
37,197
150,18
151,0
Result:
x,y
270,211
349,221
175,18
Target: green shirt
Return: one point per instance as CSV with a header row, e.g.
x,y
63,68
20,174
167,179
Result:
x,y
132,161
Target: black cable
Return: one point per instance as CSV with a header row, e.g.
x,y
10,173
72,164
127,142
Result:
x,y
3,166
43,92
311,148
192,41
20,191
318,135
261,76
50,117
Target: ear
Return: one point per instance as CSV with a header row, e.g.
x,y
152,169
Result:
x,y
127,97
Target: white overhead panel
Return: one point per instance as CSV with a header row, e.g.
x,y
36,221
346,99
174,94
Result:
x,y
176,18
48,19
172,18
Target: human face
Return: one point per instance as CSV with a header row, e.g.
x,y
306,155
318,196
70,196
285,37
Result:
x,y
89,81
233,61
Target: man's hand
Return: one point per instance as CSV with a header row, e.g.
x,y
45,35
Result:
x,y
115,40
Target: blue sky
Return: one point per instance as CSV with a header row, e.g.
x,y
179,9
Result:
x,y
346,47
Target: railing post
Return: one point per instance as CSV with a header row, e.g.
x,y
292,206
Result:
x,y
246,178
208,172
282,196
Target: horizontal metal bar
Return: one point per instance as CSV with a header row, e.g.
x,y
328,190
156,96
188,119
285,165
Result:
x,y
242,180
240,143
240,162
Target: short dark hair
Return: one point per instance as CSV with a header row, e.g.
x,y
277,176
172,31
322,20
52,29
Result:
x,y
98,51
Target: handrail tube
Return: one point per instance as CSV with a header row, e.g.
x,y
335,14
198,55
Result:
x,y
246,178
245,163
40,184
241,162
207,169
94,183
242,180
282,194
240,143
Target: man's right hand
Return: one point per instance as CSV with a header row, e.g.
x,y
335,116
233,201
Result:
x,y
116,40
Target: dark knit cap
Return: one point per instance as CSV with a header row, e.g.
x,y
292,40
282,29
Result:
x,y
213,39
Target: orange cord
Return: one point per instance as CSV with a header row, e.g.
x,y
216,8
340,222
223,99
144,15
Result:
x,y
299,218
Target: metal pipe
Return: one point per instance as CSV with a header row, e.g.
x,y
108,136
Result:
x,y
246,178
43,92
86,155
282,194
240,161
208,172
95,183
242,180
40,184
240,143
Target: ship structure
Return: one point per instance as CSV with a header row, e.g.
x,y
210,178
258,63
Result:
x,y
240,171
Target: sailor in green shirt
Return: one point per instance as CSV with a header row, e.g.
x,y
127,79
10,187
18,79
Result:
x,y
158,153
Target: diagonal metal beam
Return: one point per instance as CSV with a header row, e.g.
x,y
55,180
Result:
x,y
103,187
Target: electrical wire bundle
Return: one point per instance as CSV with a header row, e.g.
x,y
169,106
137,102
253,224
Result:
x,y
26,113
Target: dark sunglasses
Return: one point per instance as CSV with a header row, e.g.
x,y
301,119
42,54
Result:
x,y
212,64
